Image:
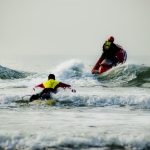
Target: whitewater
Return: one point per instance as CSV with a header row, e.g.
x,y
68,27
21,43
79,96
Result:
x,y
111,111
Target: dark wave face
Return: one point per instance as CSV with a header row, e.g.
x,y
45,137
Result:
x,y
127,75
7,73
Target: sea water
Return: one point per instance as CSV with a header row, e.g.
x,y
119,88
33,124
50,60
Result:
x,y
111,111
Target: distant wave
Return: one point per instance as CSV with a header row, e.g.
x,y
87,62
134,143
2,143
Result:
x,y
75,72
7,73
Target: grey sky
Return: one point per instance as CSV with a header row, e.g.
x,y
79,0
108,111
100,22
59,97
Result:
x,y
73,26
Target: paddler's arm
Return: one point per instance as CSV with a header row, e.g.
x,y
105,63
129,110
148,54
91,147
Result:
x,y
40,85
97,65
64,85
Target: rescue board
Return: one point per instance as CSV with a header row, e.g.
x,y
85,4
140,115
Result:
x,y
25,100
49,102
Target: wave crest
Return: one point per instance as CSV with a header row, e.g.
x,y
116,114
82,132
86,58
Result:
x,y
127,75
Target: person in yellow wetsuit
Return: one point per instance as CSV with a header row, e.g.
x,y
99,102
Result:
x,y
51,85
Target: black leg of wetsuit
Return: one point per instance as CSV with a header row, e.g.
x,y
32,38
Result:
x,y
37,96
34,97
46,96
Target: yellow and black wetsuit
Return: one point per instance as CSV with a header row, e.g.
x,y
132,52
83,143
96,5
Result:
x,y
109,51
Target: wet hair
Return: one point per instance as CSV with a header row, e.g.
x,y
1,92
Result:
x,y
51,76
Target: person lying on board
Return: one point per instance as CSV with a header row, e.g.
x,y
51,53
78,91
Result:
x,y
51,85
110,50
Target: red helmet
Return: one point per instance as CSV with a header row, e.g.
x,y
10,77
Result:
x,y
111,39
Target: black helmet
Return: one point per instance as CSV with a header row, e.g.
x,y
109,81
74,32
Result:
x,y
51,76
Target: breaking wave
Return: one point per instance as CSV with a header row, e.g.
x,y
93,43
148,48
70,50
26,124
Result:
x,y
77,73
92,90
138,99
128,75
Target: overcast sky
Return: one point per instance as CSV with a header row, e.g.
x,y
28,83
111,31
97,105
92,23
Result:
x,y
73,26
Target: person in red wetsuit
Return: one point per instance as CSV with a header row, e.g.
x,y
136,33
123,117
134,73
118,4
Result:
x,y
110,50
51,85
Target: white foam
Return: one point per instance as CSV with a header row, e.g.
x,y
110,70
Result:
x,y
74,128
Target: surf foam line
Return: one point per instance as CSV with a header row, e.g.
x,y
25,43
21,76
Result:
x,y
84,99
104,99
44,141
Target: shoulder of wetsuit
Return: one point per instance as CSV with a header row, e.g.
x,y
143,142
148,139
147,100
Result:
x,y
118,47
114,47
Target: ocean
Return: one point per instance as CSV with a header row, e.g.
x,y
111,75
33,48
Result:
x,y
107,112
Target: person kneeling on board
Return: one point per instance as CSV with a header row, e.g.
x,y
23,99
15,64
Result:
x,y
110,50
51,85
